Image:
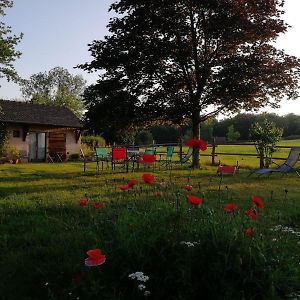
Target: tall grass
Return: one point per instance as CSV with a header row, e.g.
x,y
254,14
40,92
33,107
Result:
x,y
187,251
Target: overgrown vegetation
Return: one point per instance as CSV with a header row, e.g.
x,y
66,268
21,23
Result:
x,y
187,251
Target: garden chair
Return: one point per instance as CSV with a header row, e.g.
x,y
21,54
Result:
x,y
284,168
150,151
167,160
102,157
87,159
119,156
187,156
133,153
227,169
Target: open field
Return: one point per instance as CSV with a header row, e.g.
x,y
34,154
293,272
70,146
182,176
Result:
x,y
248,162
187,251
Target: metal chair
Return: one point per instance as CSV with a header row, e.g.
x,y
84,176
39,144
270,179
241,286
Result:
x,y
284,168
167,160
101,156
119,156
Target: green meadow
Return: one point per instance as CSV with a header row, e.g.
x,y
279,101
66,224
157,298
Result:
x,y
184,251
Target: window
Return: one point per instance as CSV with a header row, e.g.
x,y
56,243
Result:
x,y
16,133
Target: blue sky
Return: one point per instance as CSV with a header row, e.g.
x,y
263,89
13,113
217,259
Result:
x,y
56,33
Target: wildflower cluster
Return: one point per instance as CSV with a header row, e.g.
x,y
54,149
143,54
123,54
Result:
x,y
286,229
85,202
189,244
139,276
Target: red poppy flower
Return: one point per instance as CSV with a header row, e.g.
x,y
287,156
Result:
x,y
98,205
197,143
251,231
257,201
95,258
83,201
188,187
148,178
132,183
252,214
158,194
148,159
194,200
230,207
124,187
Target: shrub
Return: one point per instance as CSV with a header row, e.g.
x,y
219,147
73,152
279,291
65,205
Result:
x,y
93,141
265,135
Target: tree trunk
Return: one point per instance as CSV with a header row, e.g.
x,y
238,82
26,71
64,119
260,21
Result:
x,y
196,135
261,157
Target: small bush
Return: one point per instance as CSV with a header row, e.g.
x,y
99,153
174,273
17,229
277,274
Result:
x,y
93,141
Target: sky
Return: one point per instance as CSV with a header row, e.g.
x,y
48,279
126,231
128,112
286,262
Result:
x,y
57,33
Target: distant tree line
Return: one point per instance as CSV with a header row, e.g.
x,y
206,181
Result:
x,y
240,123
290,124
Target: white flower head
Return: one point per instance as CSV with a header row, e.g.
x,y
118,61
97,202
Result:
x,y
139,276
141,287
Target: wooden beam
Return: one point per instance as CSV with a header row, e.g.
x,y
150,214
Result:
x,y
25,132
77,134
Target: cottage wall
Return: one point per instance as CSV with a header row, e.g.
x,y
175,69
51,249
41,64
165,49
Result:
x,y
18,141
72,147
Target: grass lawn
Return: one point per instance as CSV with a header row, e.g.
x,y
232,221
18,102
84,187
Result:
x,y
187,251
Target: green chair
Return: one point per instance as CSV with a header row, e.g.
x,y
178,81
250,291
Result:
x,y
167,160
150,151
102,156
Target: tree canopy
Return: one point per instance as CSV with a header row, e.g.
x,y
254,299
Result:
x,y
193,59
8,43
56,87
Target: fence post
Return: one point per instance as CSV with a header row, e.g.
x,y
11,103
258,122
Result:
x,y
180,149
213,151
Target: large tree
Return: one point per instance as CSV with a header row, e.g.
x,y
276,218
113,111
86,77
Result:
x,y
56,87
111,111
194,59
8,42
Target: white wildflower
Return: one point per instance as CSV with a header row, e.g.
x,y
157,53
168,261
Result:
x,y
141,287
147,293
285,229
139,276
189,244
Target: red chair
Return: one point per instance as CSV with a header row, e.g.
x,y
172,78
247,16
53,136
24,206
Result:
x,y
119,156
227,169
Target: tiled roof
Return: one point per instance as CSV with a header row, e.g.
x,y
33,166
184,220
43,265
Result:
x,y
38,114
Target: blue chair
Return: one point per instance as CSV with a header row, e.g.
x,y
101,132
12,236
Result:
x,y
285,168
